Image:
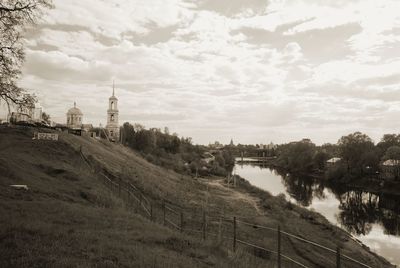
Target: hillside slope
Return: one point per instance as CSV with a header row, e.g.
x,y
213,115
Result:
x,y
70,218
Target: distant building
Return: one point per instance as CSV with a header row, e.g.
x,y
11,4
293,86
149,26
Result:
x,y
87,127
231,144
112,126
208,157
74,118
390,169
26,114
216,145
333,161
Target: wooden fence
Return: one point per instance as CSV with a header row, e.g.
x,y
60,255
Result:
x,y
209,226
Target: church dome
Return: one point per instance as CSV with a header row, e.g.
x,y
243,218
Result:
x,y
74,111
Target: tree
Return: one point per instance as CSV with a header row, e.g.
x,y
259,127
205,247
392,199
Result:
x,y
297,156
14,17
127,134
392,152
46,118
388,140
320,159
353,149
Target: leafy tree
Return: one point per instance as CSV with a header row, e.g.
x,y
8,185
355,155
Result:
x,y
127,134
14,17
392,152
46,118
353,149
145,140
388,140
297,156
320,159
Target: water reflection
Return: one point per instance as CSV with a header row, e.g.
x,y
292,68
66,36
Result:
x,y
372,217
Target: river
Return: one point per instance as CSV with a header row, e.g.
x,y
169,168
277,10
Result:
x,y
372,218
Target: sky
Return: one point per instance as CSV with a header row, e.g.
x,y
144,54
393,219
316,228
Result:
x,y
255,71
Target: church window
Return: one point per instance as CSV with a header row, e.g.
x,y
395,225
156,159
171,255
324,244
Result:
x,y
112,117
112,133
112,105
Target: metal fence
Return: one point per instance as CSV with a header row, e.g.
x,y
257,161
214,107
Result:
x,y
208,226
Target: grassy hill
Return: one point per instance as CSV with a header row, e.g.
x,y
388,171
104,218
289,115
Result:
x,y
70,218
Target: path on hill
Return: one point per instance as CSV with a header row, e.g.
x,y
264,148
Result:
x,y
232,193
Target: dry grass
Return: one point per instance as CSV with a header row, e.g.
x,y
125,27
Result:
x,y
70,219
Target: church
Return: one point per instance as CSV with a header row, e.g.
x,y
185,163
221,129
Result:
x,y
75,119
112,126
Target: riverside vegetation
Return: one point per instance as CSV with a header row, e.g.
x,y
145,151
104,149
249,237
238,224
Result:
x,y
360,162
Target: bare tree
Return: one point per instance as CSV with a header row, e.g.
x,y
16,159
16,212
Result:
x,y
15,15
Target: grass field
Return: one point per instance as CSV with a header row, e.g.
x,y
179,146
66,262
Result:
x,y
68,218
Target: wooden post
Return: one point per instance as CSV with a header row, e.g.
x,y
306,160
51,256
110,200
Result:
x,y
234,234
338,257
204,225
151,211
181,221
219,238
119,187
279,246
163,207
128,197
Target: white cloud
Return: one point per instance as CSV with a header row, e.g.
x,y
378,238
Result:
x,y
256,72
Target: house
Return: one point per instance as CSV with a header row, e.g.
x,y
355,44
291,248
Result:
x,y
390,169
208,157
87,127
333,161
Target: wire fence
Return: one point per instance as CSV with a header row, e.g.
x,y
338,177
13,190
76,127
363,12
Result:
x,y
222,228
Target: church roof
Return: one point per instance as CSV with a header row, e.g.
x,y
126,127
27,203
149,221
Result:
x,y
113,93
74,111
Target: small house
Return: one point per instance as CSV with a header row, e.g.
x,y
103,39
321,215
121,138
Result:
x,y
390,169
333,161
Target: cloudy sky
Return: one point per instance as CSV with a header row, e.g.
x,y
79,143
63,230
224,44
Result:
x,y
254,70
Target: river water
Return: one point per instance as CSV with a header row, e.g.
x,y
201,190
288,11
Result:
x,y
372,218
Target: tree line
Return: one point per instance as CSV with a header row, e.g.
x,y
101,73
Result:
x,y
359,155
171,151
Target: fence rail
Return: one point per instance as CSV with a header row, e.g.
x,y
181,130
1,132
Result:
x,y
219,221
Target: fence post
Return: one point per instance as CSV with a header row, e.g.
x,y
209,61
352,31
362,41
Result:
x,y
338,257
119,187
204,225
128,197
234,234
151,211
181,221
163,207
279,246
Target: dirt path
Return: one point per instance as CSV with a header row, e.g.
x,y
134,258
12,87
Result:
x,y
233,194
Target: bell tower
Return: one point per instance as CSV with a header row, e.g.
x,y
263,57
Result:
x,y
112,126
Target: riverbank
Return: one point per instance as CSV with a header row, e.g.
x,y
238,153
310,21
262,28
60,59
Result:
x,y
309,225
370,183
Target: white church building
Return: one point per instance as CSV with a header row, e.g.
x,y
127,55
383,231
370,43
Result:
x,y
112,126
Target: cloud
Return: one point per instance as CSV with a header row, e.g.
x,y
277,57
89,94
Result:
x,y
256,71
